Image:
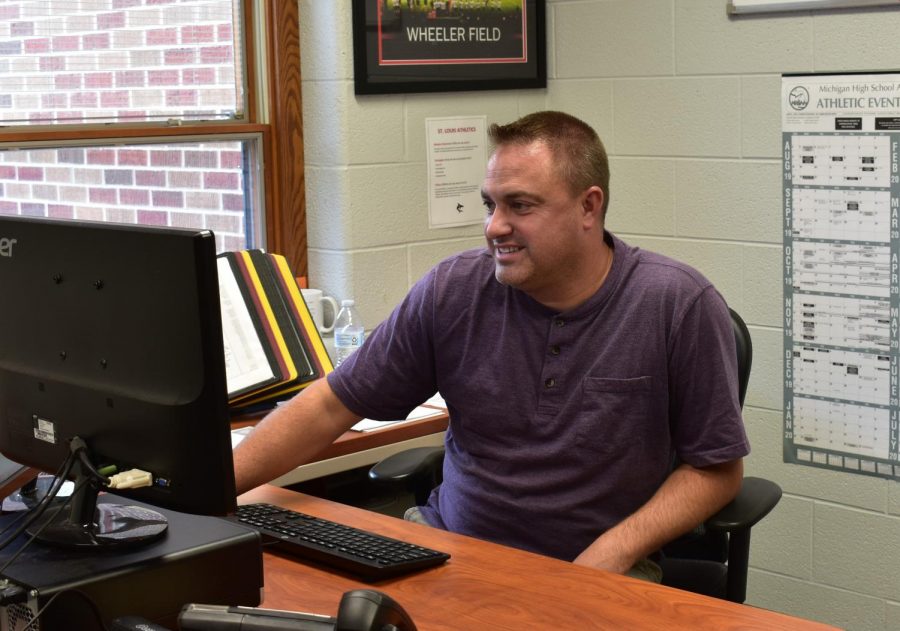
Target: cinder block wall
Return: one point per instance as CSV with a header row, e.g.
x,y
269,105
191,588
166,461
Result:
x,y
687,101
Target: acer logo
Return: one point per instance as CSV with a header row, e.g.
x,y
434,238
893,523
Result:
x,y
6,246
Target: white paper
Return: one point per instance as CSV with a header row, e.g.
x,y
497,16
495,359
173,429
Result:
x,y
437,400
237,435
246,363
367,425
457,157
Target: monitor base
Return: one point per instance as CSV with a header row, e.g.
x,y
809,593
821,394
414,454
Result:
x,y
113,525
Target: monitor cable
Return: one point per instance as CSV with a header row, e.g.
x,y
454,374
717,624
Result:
x,y
77,451
56,511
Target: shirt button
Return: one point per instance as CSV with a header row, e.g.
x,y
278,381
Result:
x,y
554,350
559,323
549,383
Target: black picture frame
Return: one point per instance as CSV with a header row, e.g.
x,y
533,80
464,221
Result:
x,y
409,46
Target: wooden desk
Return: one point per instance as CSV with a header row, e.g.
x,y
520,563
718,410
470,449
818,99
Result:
x,y
487,586
359,449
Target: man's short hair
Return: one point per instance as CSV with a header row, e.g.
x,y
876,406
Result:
x,y
580,155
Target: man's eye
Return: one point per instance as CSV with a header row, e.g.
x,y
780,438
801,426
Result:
x,y
488,206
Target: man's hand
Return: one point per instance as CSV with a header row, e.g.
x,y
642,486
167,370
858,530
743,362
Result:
x,y
603,554
687,497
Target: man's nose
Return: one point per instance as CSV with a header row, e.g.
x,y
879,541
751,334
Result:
x,y
496,224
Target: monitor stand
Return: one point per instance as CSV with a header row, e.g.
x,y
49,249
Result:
x,y
91,525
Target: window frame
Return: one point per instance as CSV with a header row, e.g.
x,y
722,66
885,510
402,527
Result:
x,y
273,111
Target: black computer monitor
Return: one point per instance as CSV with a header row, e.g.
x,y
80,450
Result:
x,y
111,338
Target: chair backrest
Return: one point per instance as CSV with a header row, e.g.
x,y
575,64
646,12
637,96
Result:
x,y
744,353
702,561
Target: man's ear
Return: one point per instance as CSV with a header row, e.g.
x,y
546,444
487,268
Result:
x,y
592,205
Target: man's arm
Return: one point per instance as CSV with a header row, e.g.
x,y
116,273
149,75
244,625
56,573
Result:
x,y
291,435
687,497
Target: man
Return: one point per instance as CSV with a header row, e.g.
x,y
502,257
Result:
x,y
574,367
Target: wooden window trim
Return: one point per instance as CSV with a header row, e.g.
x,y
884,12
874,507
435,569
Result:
x,y
286,217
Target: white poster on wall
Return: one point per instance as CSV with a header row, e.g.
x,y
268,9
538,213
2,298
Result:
x,y
457,157
841,182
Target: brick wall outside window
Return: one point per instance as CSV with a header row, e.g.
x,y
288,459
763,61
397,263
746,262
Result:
x,y
109,61
194,185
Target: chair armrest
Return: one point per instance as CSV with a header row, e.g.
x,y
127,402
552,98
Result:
x,y
419,469
754,501
407,464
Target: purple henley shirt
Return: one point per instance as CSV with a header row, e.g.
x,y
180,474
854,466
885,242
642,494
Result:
x,y
561,424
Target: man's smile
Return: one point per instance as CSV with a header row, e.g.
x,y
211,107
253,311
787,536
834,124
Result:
x,y
506,254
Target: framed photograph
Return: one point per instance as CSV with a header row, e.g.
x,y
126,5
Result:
x,y
448,45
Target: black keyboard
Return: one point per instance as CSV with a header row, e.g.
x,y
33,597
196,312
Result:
x,y
365,554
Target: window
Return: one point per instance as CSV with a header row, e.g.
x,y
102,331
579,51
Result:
x,y
147,111
186,184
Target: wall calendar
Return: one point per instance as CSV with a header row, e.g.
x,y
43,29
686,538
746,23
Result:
x,y
840,144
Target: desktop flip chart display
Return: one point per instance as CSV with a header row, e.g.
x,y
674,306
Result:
x,y
272,346
250,361
840,138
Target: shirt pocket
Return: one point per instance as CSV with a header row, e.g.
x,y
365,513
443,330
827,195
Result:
x,y
617,415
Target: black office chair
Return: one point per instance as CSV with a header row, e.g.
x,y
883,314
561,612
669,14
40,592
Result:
x,y
713,559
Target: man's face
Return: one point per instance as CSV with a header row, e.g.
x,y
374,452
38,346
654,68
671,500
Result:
x,y
535,228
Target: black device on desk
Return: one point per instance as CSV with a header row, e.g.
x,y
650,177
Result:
x,y
359,610
201,558
111,357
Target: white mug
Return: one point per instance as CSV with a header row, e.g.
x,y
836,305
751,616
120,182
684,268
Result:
x,y
314,299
